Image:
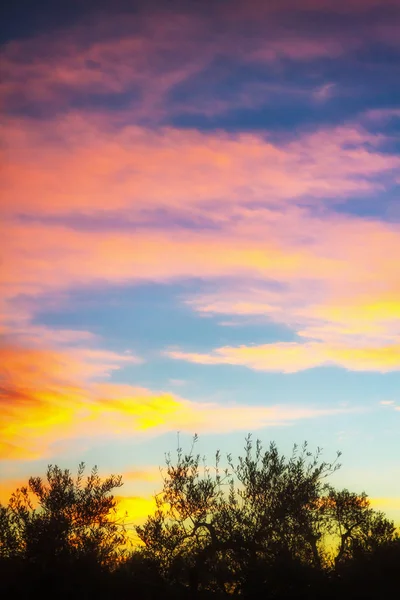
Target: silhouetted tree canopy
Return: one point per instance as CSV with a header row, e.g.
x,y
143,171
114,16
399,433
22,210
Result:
x,y
261,526
62,526
232,530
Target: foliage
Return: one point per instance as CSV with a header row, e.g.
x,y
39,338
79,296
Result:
x,y
260,526
63,517
232,530
60,529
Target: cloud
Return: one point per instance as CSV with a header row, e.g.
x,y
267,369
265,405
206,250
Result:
x,y
30,365
149,57
42,393
48,400
70,165
340,275
99,191
291,357
342,311
256,227
149,474
143,58
390,404
92,196
325,92
257,215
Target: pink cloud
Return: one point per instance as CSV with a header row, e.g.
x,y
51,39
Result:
x,y
148,54
74,164
251,190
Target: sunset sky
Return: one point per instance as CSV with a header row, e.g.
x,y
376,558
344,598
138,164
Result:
x,y
200,232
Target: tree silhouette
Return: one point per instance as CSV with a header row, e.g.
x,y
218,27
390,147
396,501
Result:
x,y
261,526
264,524
63,527
354,525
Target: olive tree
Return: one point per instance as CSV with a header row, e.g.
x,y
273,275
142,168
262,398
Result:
x,y
63,518
263,521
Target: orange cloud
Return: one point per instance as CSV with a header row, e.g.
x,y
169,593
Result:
x,y
147,475
30,366
42,393
46,400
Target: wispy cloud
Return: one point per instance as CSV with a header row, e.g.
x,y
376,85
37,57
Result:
x,y
48,397
145,57
147,169
290,357
258,228
273,220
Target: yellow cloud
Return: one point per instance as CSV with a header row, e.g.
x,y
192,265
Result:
x,y
42,409
290,357
338,319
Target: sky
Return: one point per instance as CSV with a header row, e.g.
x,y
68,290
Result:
x,y
200,233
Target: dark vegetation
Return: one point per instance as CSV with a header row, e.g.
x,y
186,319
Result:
x,y
264,526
